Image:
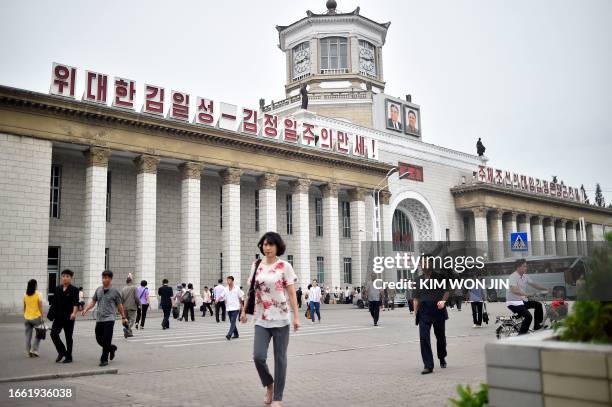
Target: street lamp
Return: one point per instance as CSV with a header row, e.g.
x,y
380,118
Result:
x,y
377,201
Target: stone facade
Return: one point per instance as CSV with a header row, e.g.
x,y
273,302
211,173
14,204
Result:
x,y
24,216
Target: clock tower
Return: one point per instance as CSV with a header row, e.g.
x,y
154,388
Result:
x,y
339,57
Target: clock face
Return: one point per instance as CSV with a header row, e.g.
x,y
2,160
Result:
x,y
301,62
367,62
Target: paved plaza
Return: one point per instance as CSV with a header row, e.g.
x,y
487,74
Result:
x,y
342,361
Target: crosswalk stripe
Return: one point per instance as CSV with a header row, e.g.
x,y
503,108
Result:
x,y
217,331
250,336
197,337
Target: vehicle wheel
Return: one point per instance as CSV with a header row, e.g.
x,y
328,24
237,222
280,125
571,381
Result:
x,y
506,330
498,331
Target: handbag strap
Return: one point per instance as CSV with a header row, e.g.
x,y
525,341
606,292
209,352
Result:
x,y
257,263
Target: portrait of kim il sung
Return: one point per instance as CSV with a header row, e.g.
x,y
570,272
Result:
x,y
413,120
394,117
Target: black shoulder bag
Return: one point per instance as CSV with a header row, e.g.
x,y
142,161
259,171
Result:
x,y
250,305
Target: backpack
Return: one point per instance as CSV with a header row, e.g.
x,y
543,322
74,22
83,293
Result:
x,y
186,297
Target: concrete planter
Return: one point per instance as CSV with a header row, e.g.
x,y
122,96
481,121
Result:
x,y
537,370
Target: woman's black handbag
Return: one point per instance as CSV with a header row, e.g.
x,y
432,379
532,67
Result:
x,y
175,312
41,331
485,314
250,305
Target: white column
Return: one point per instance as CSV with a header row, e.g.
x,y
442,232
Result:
x,y
572,246
146,219
301,230
579,242
481,234
354,54
94,233
509,228
231,223
358,233
496,237
595,232
537,236
386,218
267,202
331,235
549,237
190,224
560,237
524,226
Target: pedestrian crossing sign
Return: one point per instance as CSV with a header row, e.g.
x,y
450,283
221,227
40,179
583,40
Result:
x,y
519,242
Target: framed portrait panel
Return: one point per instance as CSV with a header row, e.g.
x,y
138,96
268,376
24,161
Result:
x,y
412,119
393,116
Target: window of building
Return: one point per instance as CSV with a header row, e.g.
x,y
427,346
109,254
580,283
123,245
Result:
x,y
320,270
106,258
221,207
53,267
346,219
318,216
290,259
220,265
257,210
108,196
348,270
402,232
56,184
333,55
289,213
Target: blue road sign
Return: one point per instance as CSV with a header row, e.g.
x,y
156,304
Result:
x,y
519,242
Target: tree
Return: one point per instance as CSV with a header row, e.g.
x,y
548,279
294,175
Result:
x,y
599,198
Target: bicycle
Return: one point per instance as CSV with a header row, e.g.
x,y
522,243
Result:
x,y
510,325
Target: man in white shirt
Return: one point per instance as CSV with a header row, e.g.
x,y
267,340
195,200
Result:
x,y
314,296
233,301
516,297
220,300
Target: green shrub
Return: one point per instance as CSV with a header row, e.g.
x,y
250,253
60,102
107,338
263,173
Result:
x,y
591,316
589,321
467,398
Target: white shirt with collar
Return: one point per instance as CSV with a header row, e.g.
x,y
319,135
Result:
x,y
314,294
233,297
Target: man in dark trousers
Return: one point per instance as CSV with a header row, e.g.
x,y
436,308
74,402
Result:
x,y
109,302
374,294
219,300
64,307
429,305
166,301
298,293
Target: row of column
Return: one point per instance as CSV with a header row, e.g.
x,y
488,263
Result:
x,y
546,235
146,212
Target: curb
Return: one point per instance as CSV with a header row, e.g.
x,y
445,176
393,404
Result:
x,y
51,376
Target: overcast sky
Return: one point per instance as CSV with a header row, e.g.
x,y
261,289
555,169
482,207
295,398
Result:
x,y
532,78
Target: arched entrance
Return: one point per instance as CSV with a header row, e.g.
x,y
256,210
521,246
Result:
x,y
412,221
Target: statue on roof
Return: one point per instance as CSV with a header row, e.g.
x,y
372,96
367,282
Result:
x,y
304,94
480,148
